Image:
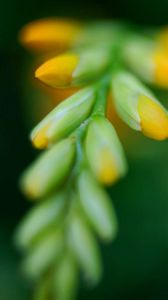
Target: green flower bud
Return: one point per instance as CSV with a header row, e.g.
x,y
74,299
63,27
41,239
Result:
x,y
97,206
49,170
104,151
44,253
92,63
44,215
64,118
148,59
137,54
66,278
84,247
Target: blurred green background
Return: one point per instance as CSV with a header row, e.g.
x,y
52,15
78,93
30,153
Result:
x,y
136,264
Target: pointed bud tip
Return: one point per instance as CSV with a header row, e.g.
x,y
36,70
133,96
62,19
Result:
x,y
109,172
30,190
57,72
154,119
39,139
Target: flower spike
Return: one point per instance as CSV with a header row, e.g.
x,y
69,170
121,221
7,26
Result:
x,y
84,154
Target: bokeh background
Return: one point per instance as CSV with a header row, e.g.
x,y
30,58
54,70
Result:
x,y
136,264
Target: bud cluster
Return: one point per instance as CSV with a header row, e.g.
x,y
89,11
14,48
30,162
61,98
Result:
x,y
82,151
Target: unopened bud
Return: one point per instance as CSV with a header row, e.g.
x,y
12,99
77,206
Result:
x,y
49,170
45,214
64,118
97,206
74,69
49,34
84,246
138,107
148,59
66,278
104,151
42,255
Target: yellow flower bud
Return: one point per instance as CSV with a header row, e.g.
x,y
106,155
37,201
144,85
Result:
x,y
74,69
104,151
58,71
49,34
138,107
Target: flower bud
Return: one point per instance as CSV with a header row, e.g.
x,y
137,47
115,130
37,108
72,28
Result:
x,y
47,250
74,69
84,247
97,206
49,170
64,118
44,215
104,151
138,107
147,59
49,34
66,278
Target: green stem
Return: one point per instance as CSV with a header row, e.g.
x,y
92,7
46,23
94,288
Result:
x,y
102,93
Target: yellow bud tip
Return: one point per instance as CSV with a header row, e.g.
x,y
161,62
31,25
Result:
x,y
108,172
31,192
40,139
57,72
29,187
154,119
49,34
161,68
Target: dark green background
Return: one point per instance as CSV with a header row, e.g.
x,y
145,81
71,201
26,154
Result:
x,y
136,264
